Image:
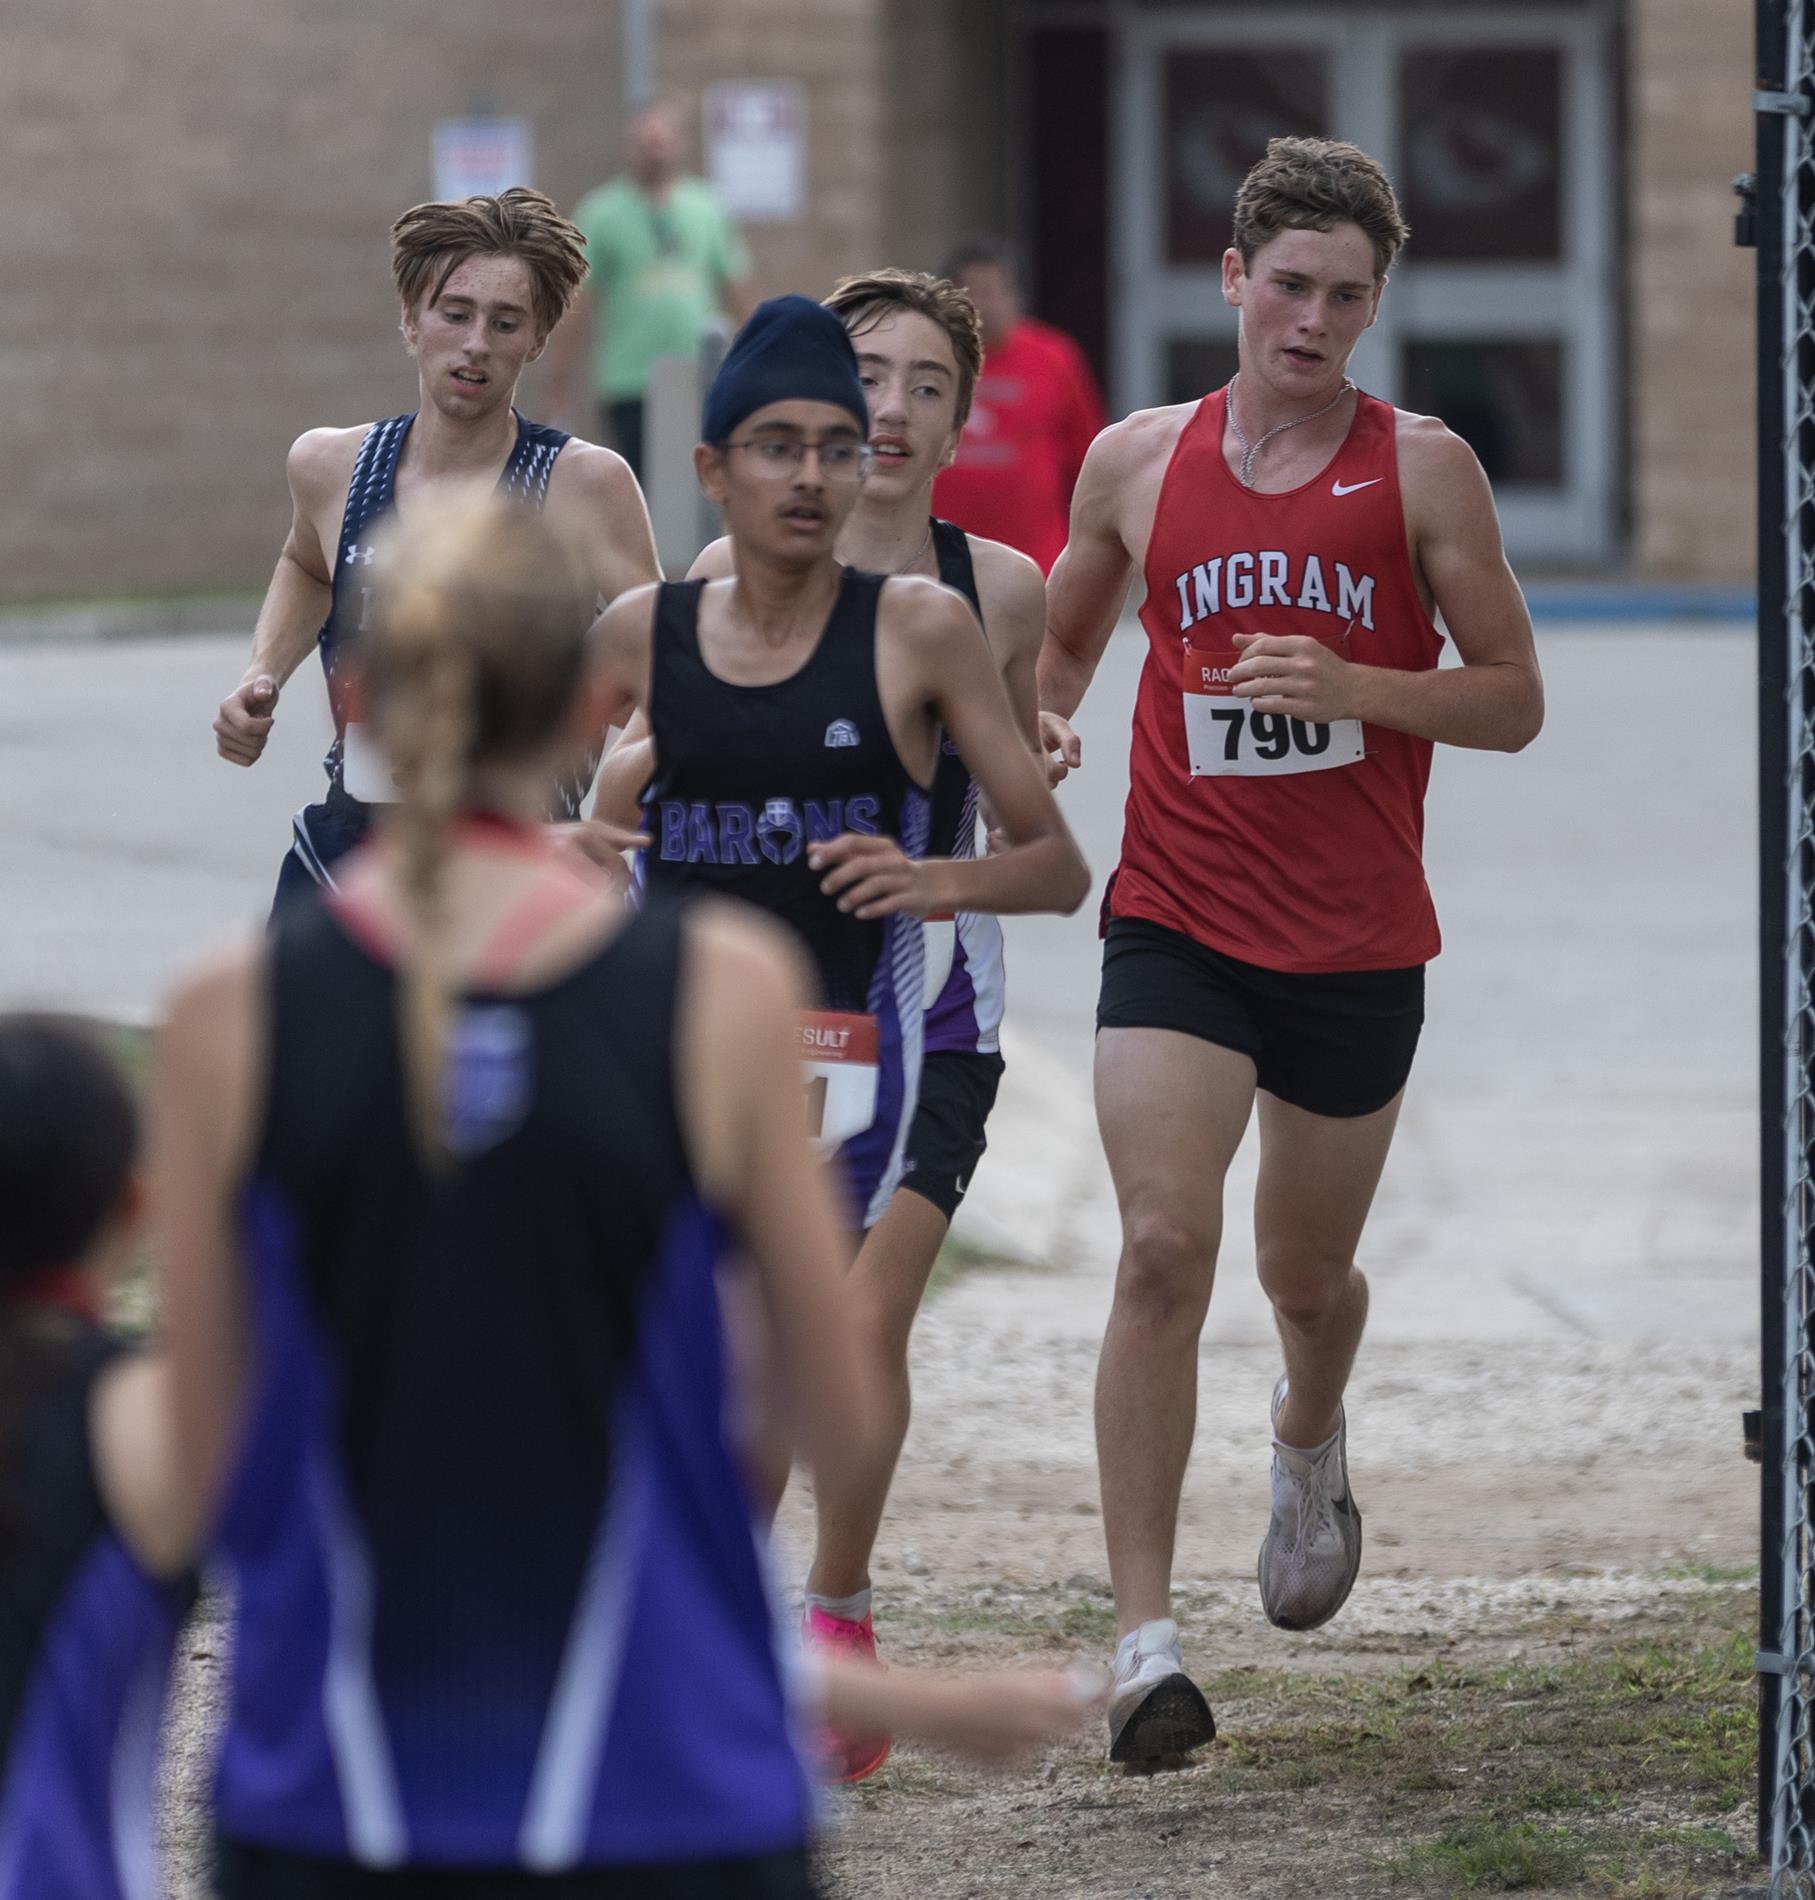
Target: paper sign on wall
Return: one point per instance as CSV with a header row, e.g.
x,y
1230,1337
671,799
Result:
x,y
478,158
756,148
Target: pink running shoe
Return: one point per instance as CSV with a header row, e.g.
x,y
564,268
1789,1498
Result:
x,y
837,1756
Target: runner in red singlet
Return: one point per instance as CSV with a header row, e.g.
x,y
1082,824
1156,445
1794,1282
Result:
x,y
1267,928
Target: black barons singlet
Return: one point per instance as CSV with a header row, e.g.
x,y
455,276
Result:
x,y
746,777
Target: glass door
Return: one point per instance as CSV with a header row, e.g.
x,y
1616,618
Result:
x,y
1495,126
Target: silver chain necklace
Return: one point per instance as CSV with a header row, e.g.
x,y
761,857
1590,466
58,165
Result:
x,y
913,560
1250,450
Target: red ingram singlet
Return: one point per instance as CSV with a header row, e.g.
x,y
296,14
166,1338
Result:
x,y
1296,847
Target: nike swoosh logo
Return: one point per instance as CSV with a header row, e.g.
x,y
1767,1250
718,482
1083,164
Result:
x,y
1348,488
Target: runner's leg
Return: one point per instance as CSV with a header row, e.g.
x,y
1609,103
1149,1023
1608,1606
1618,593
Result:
x,y
1171,1108
886,1284
1318,1174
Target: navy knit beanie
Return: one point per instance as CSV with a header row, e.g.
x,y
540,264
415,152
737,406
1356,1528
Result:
x,y
791,350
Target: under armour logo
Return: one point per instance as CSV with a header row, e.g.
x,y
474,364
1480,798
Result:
x,y
356,556
842,733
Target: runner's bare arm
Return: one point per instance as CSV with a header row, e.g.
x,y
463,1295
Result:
x,y
1089,582
1013,592
619,680
296,602
206,1081
743,1113
950,671
1493,701
631,762
995,1715
595,498
131,1428
620,648
628,767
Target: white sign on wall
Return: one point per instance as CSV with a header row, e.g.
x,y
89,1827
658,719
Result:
x,y
478,158
756,148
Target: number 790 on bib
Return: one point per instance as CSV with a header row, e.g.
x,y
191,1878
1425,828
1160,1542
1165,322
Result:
x,y
1227,737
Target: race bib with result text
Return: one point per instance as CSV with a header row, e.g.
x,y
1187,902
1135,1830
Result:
x,y
840,1058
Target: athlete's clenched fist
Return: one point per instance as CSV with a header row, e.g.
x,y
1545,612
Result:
x,y
1061,750
1292,674
243,723
873,877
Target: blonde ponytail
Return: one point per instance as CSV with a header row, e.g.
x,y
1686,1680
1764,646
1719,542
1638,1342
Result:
x,y
430,720
475,653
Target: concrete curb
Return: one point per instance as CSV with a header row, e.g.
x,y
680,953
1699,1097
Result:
x,y
76,623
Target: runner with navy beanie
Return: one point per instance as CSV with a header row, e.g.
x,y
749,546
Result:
x,y
919,350
796,712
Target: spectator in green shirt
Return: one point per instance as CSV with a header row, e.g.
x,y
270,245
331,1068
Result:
x,y
665,261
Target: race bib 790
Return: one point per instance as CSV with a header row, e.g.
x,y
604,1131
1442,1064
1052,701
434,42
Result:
x,y
1226,737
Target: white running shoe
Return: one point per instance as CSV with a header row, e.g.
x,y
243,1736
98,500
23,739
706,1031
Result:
x,y
1157,1714
1312,1550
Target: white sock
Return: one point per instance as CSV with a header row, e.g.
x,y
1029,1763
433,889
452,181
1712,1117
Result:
x,y
851,1609
1316,1451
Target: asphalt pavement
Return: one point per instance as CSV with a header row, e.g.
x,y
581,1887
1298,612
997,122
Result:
x,y
1578,1153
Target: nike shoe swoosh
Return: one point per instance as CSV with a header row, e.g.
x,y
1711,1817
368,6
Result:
x,y
1348,488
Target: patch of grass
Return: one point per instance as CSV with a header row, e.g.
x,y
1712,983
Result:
x,y
1595,1769
1030,1620
1712,1574
1500,1857
960,1257
1606,1762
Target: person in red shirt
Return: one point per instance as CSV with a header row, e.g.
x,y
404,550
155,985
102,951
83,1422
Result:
x,y
1267,928
1036,412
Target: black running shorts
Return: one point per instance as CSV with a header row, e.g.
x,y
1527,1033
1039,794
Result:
x,y
1339,1044
957,1092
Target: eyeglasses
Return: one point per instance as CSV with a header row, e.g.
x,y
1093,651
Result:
x,y
779,456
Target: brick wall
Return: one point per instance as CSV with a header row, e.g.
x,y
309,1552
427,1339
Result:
x,y
953,143
195,235
835,49
1690,291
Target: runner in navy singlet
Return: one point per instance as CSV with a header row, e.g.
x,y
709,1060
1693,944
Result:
x,y
448,1168
919,349
92,1546
482,284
